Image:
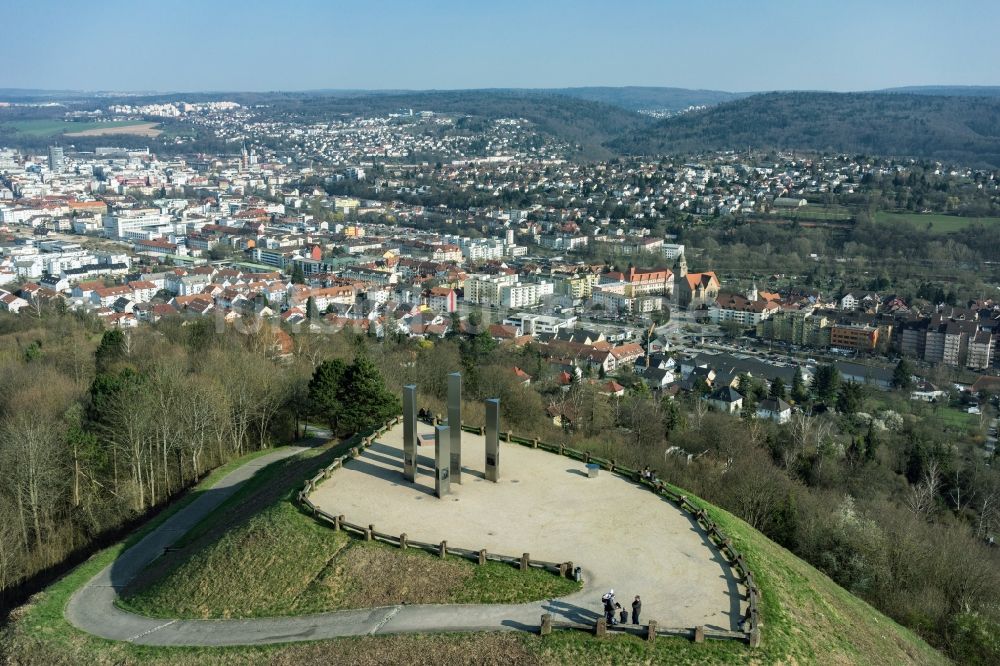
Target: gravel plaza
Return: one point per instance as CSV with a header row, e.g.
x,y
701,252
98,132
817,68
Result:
x,y
623,536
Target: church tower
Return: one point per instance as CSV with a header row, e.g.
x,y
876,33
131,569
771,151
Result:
x,y
681,296
681,266
752,293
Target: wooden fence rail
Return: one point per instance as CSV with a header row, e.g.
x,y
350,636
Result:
x,y
751,620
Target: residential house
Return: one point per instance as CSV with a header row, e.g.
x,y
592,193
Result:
x,y
11,303
775,409
443,299
725,399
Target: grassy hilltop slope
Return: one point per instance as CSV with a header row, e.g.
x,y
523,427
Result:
x,y
279,561
806,617
905,125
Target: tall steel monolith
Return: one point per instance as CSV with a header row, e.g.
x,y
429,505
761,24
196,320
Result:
x,y
410,432
442,461
493,439
455,423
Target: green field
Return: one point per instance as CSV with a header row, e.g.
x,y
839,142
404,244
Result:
x,y
816,212
42,128
957,419
935,221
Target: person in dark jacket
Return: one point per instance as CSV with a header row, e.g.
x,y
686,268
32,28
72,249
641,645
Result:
x,y
636,609
609,607
622,614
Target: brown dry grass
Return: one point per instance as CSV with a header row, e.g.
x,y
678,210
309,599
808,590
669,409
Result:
x,y
401,580
144,129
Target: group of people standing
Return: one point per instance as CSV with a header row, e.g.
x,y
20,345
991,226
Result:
x,y
615,614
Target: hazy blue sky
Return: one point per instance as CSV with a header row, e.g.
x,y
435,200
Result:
x,y
307,44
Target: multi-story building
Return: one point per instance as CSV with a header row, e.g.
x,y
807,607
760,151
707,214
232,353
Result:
x,y
912,337
948,340
642,282
744,309
798,327
980,353
369,276
56,160
524,294
533,324
578,286
617,297
481,250
485,289
631,245
160,247
277,258
442,299
145,224
672,250
854,336
566,242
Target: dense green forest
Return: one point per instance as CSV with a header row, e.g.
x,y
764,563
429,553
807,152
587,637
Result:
x,y
965,129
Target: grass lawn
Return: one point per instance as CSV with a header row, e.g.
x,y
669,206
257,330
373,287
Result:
x,y
937,222
819,212
956,419
41,128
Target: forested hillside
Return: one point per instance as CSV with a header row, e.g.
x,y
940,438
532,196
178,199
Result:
x,y
638,98
966,129
97,428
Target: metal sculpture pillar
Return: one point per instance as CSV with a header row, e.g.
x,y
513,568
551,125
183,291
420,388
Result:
x,y
442,461
455,423
493,440
410,432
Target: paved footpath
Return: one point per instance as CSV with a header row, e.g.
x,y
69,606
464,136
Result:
x,y
92,608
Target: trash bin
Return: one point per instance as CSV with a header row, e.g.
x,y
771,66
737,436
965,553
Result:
x,y
592,470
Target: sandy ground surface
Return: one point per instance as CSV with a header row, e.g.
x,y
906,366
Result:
x,y
624,536
143,129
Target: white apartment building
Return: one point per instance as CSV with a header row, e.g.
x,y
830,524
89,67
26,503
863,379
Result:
x,y
980,353
533,324
485,289
137,224
481,250
672,250
525,294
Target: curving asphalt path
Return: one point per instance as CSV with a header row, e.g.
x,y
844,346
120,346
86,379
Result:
x,y
92,608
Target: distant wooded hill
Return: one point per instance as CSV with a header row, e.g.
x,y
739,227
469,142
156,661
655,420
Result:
x,y
962,128
952,91
638,98
954,123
